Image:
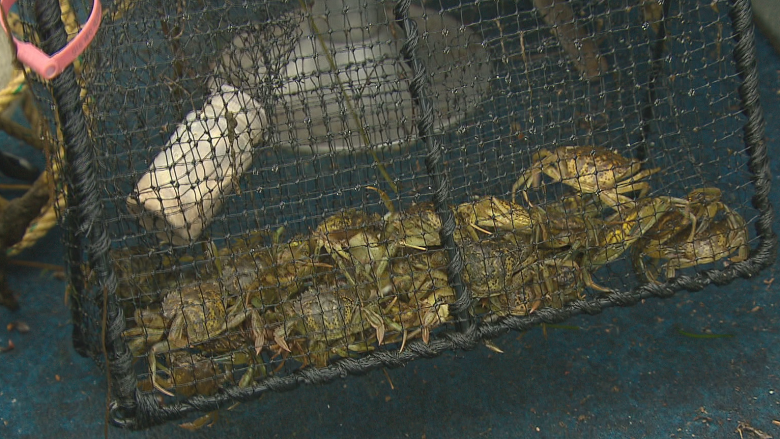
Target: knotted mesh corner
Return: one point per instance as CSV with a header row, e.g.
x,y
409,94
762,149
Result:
x,y
295,191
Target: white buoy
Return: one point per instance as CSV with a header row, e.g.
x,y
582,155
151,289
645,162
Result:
x,y
204,157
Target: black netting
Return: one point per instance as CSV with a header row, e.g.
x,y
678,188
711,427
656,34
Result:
x,y
273,193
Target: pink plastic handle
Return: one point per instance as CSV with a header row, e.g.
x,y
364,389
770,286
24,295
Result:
x,y
50,67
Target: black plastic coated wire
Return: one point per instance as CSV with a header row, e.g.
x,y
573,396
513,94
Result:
x,y
84,193
434,165
758,161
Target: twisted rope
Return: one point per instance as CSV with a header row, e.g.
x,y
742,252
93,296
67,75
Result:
x,y
14,92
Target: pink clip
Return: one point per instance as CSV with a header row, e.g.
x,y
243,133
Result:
x,y
50,67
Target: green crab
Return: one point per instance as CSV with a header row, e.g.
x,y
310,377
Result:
x,y
239,262
490,214
720,239
192,317
190,374
551,281
416,228
570,221
491,264
622,230
694,213
352,239
589,170
329,318
419,294
414,273
284,266
424,312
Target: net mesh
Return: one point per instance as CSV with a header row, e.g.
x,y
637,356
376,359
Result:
x,y
264,187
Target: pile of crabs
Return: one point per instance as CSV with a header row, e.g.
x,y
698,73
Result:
x,y
362,280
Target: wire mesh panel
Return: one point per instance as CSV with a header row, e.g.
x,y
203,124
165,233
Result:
x,y
287,192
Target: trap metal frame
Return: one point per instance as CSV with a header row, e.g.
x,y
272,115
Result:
x,y
99,321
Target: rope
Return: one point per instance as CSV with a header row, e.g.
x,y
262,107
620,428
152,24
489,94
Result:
x,y
38,228
14,92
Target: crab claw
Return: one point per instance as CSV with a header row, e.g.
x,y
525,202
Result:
x,y
279,339
258,331
376,322
534,306
153,370
426,334
433,317
403,341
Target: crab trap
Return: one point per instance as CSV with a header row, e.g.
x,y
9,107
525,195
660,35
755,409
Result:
x,y
265,194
